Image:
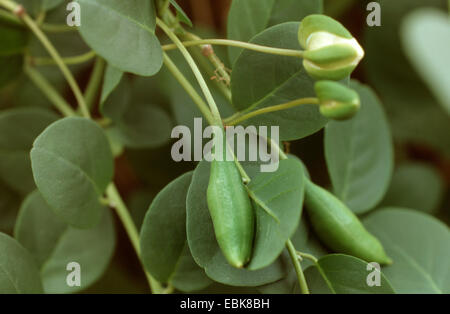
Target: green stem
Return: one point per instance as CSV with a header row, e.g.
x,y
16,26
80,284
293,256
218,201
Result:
x,y
18,9
308,256
298,268
198,100
117,203
95,80
235,119
207,64
85,57
64,69
219,68
49,91
40,18
240,44
7,16
195,69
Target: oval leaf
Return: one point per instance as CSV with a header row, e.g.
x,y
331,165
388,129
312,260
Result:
x,y
424,33
278,201
165,253
344,274
415,185
72,165
418,244
112,78
54,244
253,89
247,18
136,124
123,32
18,270
18,129
359,154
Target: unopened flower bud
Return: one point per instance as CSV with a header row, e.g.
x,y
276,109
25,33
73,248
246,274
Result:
x,y
336,101
331,52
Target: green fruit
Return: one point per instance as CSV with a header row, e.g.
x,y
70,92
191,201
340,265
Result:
x,y
339,228
337,101
231,212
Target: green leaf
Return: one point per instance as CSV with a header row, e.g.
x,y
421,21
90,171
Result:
x,y
344,274
247,18
415,185
68,44
413,112
136,125
359,154
181,15
9,206
54,244
277,193
203,244
138,203
165,253
112,78
14,39
18,270
11,68
418,244
261,80
18,129
425,36
123,32
72,165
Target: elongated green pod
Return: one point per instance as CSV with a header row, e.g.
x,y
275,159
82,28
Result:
x,y
339,228
231,212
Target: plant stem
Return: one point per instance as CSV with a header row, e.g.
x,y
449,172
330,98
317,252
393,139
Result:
x,y
49,91
67,60
298,268
207,65
94,82
240,44
19,10
64,69
212,57
308,256
117,203
195,69
5,15
198,100
235,119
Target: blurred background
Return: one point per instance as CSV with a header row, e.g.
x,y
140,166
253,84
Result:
x,y
419,122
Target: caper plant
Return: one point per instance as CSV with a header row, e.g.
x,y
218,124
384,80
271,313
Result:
x,y
221,222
